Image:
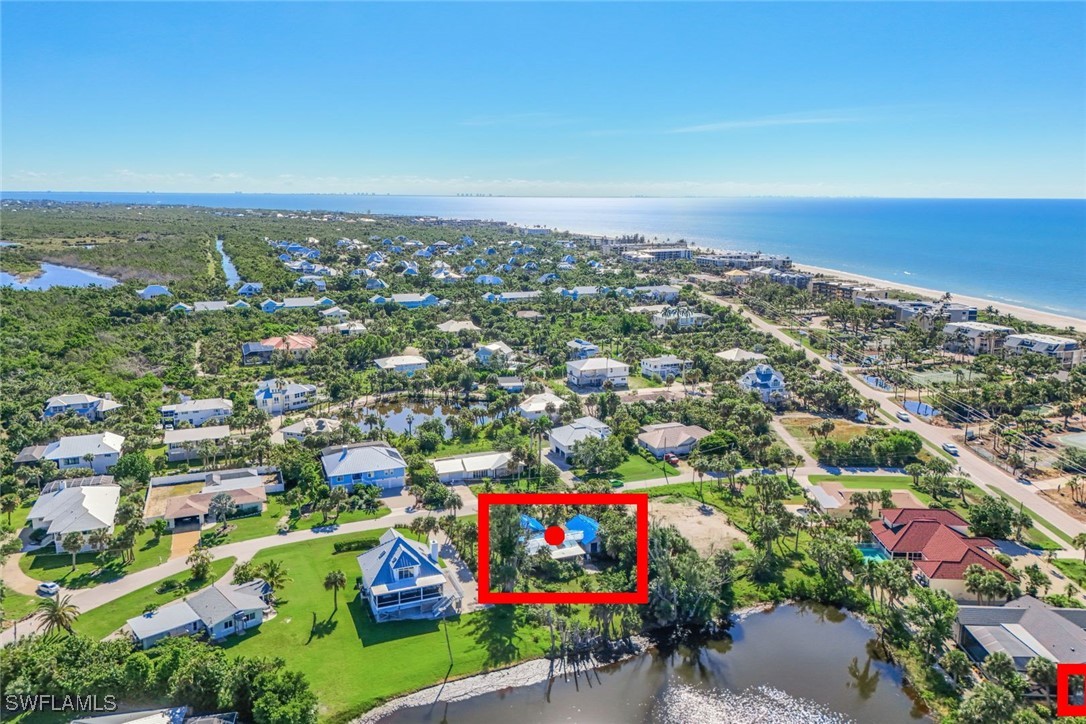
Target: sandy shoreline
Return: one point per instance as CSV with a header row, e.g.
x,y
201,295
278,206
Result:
x,y
1059,321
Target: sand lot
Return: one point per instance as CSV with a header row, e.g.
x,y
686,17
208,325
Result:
x,y
706,531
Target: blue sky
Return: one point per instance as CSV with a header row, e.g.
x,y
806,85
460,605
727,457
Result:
x,y
956,99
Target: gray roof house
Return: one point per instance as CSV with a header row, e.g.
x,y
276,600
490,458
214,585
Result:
x,y
216,611
401,579
103,448
1023,629
562,439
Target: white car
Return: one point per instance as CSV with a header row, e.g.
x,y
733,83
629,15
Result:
x,y
903,416
950,448
48,588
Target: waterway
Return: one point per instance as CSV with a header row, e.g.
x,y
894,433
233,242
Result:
x,y
55,275
232,278
791,664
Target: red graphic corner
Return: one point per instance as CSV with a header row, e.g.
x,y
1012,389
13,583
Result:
x,y
1064,707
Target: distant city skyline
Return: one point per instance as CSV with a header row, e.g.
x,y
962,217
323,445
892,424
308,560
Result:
x,y
562,99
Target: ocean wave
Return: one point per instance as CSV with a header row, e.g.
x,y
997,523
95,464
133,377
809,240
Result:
x,y
681,704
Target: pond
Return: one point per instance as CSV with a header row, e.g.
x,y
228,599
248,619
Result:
x,y
395,415
54,275
232,277
792,664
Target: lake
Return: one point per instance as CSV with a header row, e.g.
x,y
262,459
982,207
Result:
x,y
395,415
232,278
795,663
54,275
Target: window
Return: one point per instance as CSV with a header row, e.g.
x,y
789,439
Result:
x,y
404,573
228,624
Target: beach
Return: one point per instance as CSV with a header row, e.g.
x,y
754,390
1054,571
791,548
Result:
x,y
1059,321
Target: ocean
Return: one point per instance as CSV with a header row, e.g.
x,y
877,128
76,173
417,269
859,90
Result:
x,y
1026,252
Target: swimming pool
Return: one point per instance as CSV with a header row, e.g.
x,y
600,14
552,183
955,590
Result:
x,y
872,552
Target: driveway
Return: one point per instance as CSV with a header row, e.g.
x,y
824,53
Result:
x,y
183,541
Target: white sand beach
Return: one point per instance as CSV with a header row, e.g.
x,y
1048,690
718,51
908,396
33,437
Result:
x,y
1058,321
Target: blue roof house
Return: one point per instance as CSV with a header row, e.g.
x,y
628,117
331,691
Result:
x,y
489,279
402,579
364,463
153,290
767,382
375,283
589,529
249,289
270,305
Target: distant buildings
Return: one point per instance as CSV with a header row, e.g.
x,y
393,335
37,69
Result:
x,y
197,412
839,291
302,429
654,254
91,407
153,290
798,280
767,382
505,297
975,337
735,354
659,292
276,396
562,439
742,260
407,301
292,303
1063,349
582,349
596,371
98,452
680,317
494,353
364,463
925,314
454,326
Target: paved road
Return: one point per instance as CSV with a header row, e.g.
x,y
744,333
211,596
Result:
x,y
979,470
89,598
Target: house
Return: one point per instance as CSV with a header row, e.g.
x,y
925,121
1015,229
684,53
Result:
x,y
186,510
670,437
1023,629
407,364
737,276
217,611
316,281
681,317
276,396
256,353
975,337
476,466
835,500
511,384
69,508
498,353
454,326
596,371
267,477
536,406
407,301
98,452
374,283
766,382
562,439
197,412
1063,349
660,292
735,354
528,314
937,544
663,366
401,579
364,463
504,297
345,329
581,349
580,292
488,280
302,429
88,406
297,346
186,443
212,306
581,536
291,303
153,290
181,307
251,289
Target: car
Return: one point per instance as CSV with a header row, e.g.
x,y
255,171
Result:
x,y
838,368
1024,480
616,483
671,459
903,416
48,588
950,448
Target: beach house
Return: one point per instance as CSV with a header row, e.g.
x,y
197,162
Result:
x,y
662,367
494,354
596,372
406,364
407,301
475,466
99,452
153,290
216,612
1067,351
189,442
70,507
364,463
276,396
91,407
975,337
562,439
402,579
537,406
766,382
197,412
670,437
302,429
582,349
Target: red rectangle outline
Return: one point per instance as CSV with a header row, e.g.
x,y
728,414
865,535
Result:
x,y
1064,707
639,500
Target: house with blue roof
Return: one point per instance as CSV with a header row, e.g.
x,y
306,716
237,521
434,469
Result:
x,y
579,292
491,250
488,279
251,289
153,290
425,253
767,382
504,268
375,283
311,279
402,579
547,278
407,301
364,463
582,537
512,296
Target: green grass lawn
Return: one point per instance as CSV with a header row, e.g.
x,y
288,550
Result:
x,y
16,605
634,468
354,663
1075,570
104,620
637,382
47,565
258,526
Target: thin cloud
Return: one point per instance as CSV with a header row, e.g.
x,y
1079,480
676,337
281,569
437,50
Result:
x,y
790,119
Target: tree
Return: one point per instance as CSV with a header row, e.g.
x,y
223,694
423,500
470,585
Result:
x,y
221,507
334,581
200,562
985,704
992,517
57,613
73,543
9,504
932,614
159,526
1079,541
956,663
1042,672
133,466
274,575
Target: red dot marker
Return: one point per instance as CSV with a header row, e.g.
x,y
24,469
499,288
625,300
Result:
x,y
554,535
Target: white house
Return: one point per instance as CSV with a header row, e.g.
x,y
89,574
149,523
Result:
x,y
98,452
407,364
88,406
735,354
766,381
975,337
595,371
217,611
345,329
582,349
184,444
197,412
562,439
364,463
453,326
663,366
681,317
69,508
302,429
402,579
488,354
462,468
536,406
153,290
670,437
277,396
1066,350
662,292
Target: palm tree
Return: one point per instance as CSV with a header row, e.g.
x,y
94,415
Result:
x,y
9,504
57,613
274,575
221,507
1042,672
957,664
334,581
1079,541
73,543
200,560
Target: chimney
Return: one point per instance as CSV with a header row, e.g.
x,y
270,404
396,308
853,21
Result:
x,y
433,550
342,451
107,396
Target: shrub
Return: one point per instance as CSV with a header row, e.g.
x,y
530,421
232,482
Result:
x,y
353,545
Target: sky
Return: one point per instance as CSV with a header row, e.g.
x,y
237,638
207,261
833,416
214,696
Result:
x,y
557,99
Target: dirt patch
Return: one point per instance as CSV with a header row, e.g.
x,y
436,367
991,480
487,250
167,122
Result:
x,y
156,500
707,530
182,543
1063,500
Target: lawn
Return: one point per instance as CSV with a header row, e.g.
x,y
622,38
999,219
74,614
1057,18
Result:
x,y
843,431
637,382
16,605
47,565
354,663
104,620
258,526
634,468
1075,570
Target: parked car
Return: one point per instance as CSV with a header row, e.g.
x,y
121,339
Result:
x,y
838,368
48,588
903,416
671,459
616,483
1024,480
950,448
